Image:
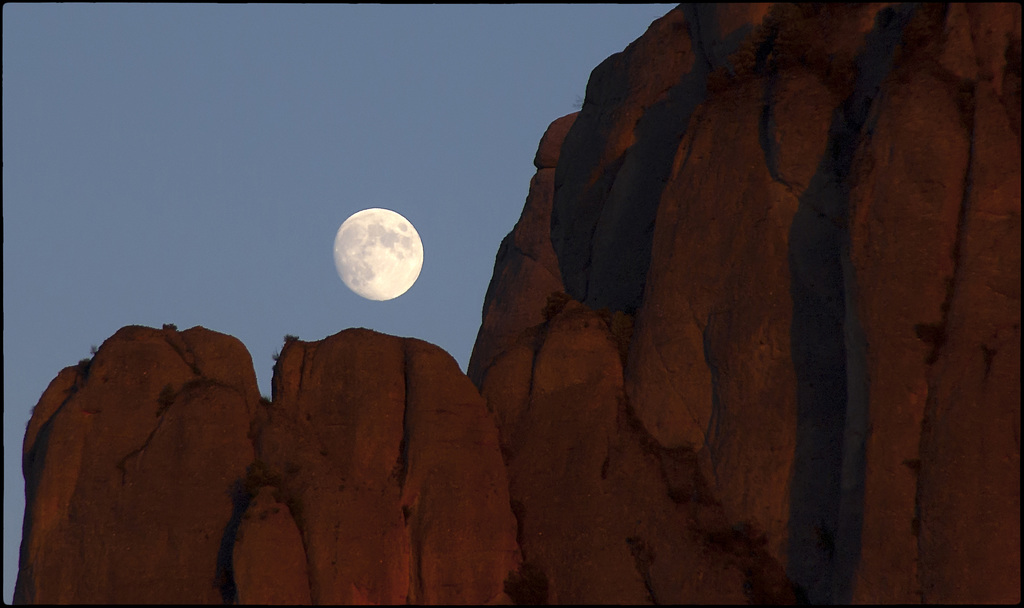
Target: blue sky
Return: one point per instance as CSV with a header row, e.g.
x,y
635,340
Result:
x,y
190,164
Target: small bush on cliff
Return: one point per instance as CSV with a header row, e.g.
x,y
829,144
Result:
x,y
83,366
259,475
555,303
165,399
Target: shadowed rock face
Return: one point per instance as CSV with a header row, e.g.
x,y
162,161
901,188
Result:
x,y
755,337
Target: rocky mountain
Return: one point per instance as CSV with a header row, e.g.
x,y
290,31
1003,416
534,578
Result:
x,y
755,338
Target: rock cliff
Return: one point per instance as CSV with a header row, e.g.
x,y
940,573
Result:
x,y
374,476
755,338
129,462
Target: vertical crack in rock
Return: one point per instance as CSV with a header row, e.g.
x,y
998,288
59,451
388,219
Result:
x,y
823,503
938,337
717,411
643,557
175,341
225,574
527,585
690,11
937,333
122,465
766,125
538,341
402,463
766,128
414,593
681,398
1011,85
286,489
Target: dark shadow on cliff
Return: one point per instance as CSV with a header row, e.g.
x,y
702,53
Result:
x,y
602,217
32,466
819,361
527,586
827,484
225,576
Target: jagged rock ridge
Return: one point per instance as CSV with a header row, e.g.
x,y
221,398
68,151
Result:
x,y
373,476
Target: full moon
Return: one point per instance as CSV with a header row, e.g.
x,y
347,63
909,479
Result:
x,y
378,254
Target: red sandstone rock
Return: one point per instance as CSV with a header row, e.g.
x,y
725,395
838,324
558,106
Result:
x,y
800,292
551,142
268,559
525,269
969,488
376,477
389,461
936,306
603,180
709,367
128,478
455,495
604,515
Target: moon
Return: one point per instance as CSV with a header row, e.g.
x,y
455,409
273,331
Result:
x,y
378,254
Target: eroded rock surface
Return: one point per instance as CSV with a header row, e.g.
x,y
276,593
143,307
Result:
x,y
814,214
268,557
129,462
605,515
374,476
389,462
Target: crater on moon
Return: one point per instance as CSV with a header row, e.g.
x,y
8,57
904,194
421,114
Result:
x,y
378,254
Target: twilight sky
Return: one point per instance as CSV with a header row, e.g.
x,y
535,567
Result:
x,y
190,164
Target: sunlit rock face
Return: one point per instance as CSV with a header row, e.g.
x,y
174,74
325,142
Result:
x,y
374,476
129,467
387,456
